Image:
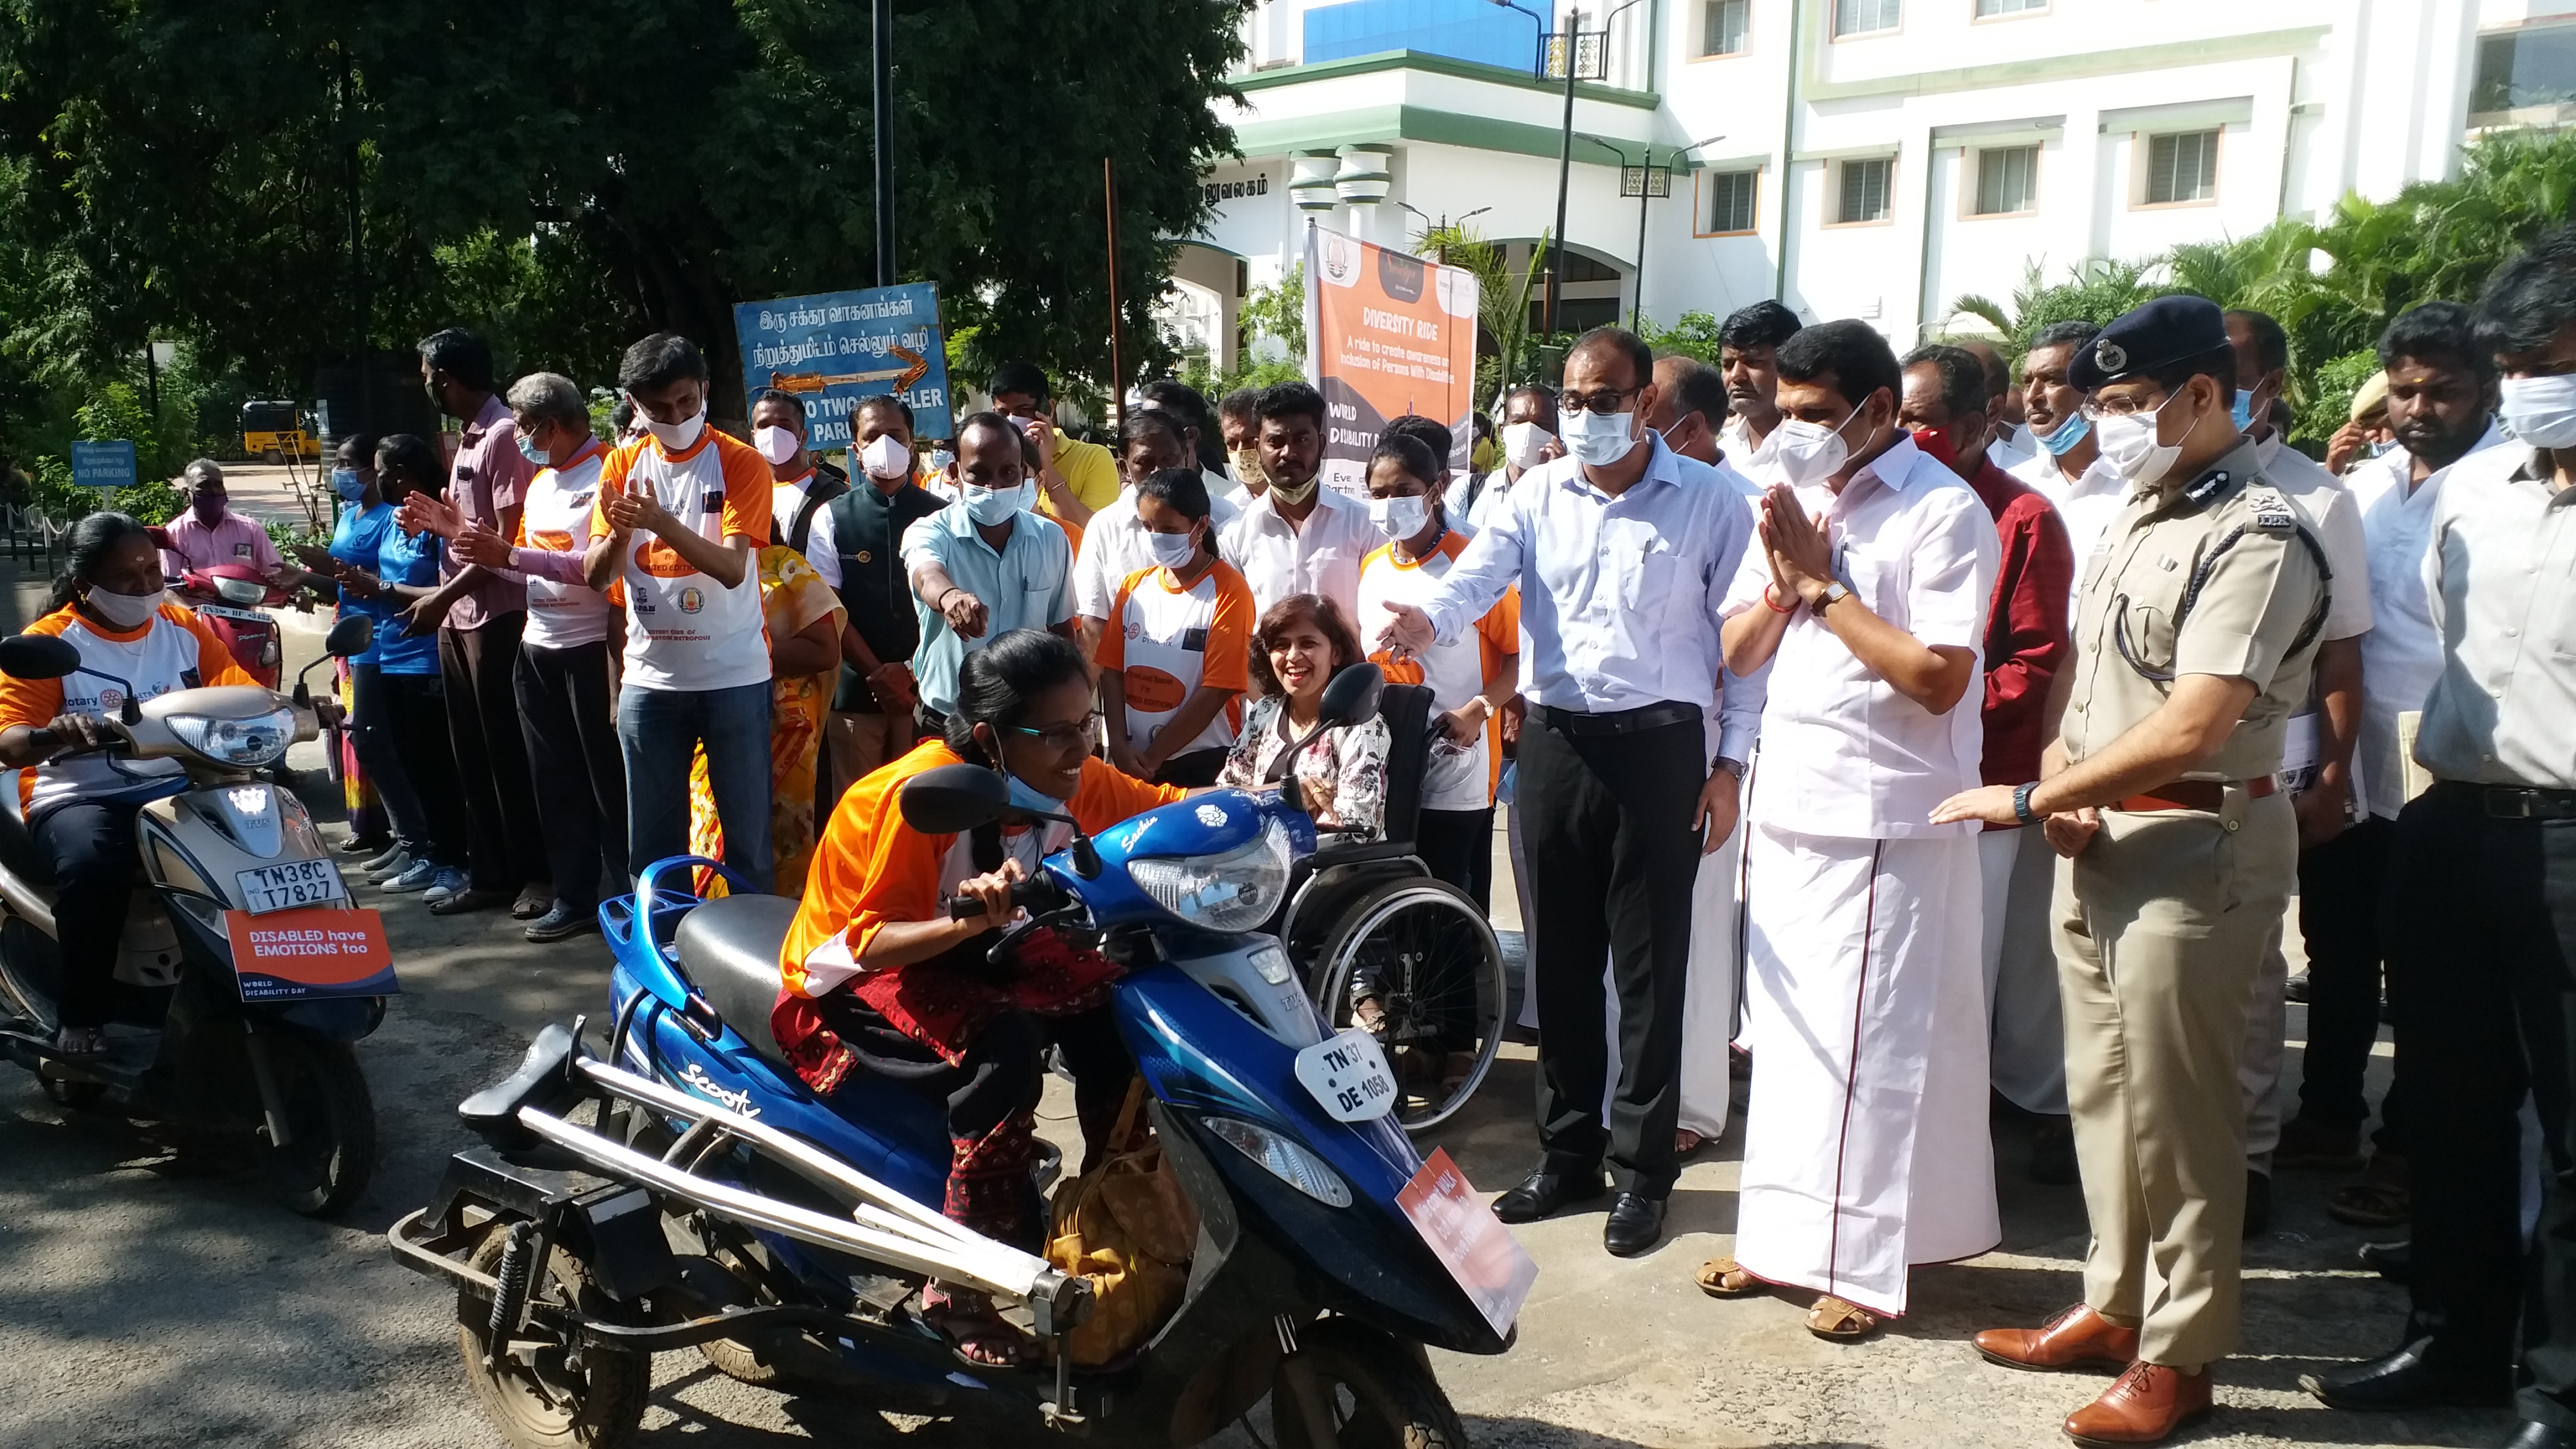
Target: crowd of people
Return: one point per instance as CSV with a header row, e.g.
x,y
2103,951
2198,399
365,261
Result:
x,y
1917,732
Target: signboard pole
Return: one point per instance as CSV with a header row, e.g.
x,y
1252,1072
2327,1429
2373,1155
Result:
x,y
881,37
1564,166
1117,373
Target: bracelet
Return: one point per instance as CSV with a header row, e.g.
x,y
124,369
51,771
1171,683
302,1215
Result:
x,y
2021,803
1767,591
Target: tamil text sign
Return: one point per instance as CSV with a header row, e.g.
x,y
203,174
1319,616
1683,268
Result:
x,y
837,349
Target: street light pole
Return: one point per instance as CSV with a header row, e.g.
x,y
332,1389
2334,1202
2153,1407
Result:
x,y
881,37
1573,45
1645,191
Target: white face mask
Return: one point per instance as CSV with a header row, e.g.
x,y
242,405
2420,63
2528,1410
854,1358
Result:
x,y
2129,445
989,506
1173,550
125,611
2540,411
886,458
1597,441
1811,452
675,437
1398,518
1523,442
776,444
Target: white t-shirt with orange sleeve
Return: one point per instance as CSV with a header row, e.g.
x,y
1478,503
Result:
x,y
685,631
1455,671
1165,641
555,515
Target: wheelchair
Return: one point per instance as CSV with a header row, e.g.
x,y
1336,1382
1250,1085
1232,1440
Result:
x,y
1370,921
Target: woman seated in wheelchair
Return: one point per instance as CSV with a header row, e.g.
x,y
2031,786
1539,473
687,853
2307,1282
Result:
x,y
879,979
1299,645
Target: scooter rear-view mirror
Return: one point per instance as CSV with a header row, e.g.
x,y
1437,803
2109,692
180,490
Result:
x,y
953,799
37,656
351,636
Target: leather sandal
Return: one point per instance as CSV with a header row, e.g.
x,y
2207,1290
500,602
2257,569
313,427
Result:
x,y
1722,1278
2379,1198
1839,1320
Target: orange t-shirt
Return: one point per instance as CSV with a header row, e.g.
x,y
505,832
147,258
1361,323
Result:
x,y
684,630
872,868
1164,641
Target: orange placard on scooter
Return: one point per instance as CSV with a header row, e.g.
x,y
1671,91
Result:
x,y
285,955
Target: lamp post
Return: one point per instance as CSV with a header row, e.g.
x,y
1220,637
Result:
x,y
1571,46
1651,181
1442,224
881,38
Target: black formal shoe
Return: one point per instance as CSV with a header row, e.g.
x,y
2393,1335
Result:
x,y
2540,1436
1636,1224
1543,1192
2296,988
2406,1379
2258,1204
2392,1261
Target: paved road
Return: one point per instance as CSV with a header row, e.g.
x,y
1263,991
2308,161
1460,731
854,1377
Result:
x,y
147,1306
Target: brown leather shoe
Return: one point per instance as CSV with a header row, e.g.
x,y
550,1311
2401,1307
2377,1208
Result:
x,y
2078,1337
2144,1405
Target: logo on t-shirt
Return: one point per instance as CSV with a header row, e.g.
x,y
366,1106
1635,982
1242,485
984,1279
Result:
x,y
1153,691
691,601
662,561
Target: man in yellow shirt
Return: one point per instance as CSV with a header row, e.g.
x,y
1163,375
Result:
x,y
1074,478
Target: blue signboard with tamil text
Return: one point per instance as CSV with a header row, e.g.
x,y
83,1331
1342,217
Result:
x,y
103,465
837,349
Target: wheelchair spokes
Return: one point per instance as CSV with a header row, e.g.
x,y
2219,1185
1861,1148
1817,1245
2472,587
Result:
x,y
1416,963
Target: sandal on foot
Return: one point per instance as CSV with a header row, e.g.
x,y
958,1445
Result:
x,y
1369,1016
1841,1321
978,1335
80,1043
1721,1278
1686,1142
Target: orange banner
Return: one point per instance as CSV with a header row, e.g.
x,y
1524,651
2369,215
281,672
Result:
x,y
1387,334
316,951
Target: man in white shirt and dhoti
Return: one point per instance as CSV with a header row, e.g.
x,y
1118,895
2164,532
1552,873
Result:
x,y
1866,1149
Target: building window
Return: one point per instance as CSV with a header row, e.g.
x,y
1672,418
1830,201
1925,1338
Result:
x,y
2007,181
2535,66
1730,201
1864,17
1987,9
1864,191
1724,25
2182,167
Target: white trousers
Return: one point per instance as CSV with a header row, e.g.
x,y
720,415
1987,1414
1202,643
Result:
x,y
1866,1150
1708,1008
2026,1031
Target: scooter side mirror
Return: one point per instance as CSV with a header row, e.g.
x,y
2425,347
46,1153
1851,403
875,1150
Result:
x,y
352,635
953,799
1351,696
37,656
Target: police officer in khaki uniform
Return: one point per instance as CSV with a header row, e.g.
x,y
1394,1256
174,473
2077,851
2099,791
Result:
x,y
2194,635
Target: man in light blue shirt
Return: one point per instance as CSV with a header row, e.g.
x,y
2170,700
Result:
x,y
984,565
1623,550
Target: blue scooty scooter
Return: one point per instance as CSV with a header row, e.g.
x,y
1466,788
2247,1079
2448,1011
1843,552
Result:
x,y
720,1204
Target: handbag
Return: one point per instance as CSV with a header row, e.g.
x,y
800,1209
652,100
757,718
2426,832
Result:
x,y
1126,1226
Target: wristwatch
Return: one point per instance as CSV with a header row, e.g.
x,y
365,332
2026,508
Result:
x,y
2021,804
1834,594
1730,765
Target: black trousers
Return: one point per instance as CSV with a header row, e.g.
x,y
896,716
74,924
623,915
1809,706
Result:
x,y
1458,846
2480,922
1192,770
2340,892
569,717
416,711
92,847
1612,856
505,844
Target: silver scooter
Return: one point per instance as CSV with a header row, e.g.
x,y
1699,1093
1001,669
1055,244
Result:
x,y
193,1039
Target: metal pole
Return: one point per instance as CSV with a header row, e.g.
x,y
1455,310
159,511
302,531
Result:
x,y
1573,39
1645,189
881,39
1117,372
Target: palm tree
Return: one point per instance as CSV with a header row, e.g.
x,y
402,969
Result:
x,y
2095,290
1502,295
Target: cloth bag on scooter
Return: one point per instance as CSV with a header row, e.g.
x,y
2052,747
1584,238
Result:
x,y
1128,1227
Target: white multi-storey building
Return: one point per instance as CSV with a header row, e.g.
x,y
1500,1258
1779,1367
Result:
x,y
1855,158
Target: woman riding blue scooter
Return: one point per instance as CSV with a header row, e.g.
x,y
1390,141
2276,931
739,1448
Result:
x,y
879,979
110,605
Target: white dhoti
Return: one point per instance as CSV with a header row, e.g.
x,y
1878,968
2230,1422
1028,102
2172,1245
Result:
x,y
2026,1030
1708,1003
1866,1150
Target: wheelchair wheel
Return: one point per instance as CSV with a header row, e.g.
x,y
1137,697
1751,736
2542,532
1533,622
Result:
x,y
1426,956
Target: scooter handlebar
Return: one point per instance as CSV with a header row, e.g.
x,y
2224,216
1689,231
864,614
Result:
x,y
1037,894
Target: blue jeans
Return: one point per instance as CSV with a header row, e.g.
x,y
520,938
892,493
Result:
x,y
656,729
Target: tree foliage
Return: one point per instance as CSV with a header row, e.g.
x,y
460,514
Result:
x,y
1505,350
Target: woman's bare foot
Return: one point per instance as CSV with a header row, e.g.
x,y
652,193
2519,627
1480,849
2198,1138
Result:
x,y
981,1335
81,1043
1370,1015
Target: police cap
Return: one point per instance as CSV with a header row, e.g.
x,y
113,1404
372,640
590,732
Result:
x,y
2162,332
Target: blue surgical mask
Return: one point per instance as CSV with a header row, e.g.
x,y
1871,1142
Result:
x,y
530,451
989,506
347,483
2068,434
2242,410
1025,796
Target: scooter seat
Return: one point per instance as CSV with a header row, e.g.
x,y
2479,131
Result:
x,y
729,948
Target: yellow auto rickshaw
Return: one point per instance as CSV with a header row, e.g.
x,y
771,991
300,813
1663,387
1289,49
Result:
x,y
276,430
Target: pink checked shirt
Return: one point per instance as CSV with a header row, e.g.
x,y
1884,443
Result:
x,y
232,540
489,474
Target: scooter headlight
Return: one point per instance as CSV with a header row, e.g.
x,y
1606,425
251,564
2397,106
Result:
x,y
1233,891
1285,1160
243,743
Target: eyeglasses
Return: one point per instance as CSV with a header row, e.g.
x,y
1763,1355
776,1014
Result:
x,y
1077,735
1599,404
2098,408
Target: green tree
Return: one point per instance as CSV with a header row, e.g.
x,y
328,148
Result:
x,y
2094,291
1693,334
1504,347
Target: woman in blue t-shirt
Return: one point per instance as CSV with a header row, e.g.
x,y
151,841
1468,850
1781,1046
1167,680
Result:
x,y
364,519
402,710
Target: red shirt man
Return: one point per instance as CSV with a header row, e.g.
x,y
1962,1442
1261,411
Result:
x,y
2026,627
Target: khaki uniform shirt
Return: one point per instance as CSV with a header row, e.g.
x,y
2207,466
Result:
x,y
2259,597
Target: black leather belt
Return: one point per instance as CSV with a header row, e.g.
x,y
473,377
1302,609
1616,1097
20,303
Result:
x,y
1619,721
2514,802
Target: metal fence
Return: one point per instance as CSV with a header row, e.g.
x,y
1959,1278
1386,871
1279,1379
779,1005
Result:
x,y
32,535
